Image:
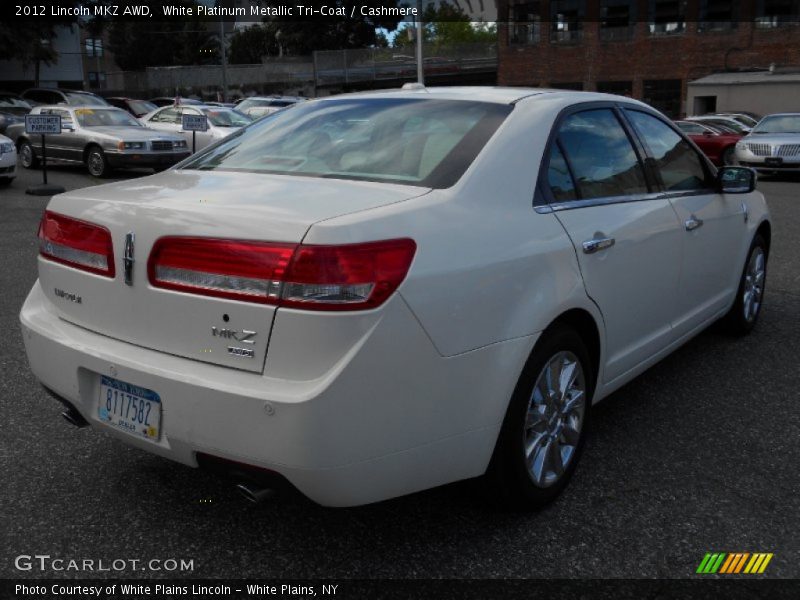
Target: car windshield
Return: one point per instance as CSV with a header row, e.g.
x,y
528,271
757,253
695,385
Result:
x,y
85,99
412,141
779,124
114,117
141,107
728,124
225,117
14,103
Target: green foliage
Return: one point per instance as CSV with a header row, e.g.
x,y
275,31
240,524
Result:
x,y
446,25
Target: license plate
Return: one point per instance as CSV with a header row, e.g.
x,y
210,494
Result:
x,y
774,160
130,408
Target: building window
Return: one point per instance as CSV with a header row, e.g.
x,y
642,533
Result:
x,y
664,95
718,15
566,17
570,85
620,88
616,19
94,47
525,25
97,80
667,17
777,13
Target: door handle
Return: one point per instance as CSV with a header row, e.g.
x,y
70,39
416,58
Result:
x,y
693,223
593,245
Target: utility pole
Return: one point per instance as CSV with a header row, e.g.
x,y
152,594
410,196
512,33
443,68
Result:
x,y
223,54
420,70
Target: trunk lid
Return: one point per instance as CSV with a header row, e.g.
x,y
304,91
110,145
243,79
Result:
x,y
225,205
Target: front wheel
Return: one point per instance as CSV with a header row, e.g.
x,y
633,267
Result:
x,y
96,162
28,155
744,313
545,427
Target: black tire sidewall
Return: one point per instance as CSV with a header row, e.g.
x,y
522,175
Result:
x,y
508,473
34,160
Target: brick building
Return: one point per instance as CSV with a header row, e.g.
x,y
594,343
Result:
x,y
647,49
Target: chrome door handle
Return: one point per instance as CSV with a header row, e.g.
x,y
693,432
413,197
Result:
x,y
693,223
592,246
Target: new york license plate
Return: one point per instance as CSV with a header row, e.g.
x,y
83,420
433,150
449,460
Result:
x,y
130,408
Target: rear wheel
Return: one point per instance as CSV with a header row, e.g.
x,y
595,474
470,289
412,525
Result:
x,y
28,155
744,313
545,426
96,162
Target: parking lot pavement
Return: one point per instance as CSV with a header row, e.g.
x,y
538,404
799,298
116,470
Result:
x,y
699,454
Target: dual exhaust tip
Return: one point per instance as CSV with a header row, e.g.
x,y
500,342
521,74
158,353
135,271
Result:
x,y
250,492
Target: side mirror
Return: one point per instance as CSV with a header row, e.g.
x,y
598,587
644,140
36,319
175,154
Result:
x,y
736,180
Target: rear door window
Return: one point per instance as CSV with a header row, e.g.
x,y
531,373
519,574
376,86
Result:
x,y
603,160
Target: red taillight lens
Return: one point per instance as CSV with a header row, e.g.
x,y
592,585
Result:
x,y
353,276
76,243
250,271
348,277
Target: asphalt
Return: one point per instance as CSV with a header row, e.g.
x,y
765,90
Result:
x,y
700,454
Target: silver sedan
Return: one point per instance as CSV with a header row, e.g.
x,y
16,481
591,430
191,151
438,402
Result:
x,y
221,122
773,145
102,138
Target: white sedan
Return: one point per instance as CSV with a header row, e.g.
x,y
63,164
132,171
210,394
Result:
x,y
221,122
8,160
384,292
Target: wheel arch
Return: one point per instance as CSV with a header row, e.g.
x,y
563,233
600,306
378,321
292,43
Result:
x,y
88,148
765,231
585,325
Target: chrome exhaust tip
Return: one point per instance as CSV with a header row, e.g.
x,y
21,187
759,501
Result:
x,y
73,417
254,494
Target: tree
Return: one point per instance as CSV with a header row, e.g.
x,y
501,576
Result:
x,y
248,46
30,41
446,25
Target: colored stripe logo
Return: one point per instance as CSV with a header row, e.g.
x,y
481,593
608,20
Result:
x,y
732,563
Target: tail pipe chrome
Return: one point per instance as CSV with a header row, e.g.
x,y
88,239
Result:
x,y
73,417
253,493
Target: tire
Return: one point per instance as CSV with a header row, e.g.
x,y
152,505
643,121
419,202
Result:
x,y
523,473
4,181
743,315
28,156
729,156
96,162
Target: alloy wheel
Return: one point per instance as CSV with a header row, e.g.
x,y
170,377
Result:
x,y
754,284
26,155
95,163
554,418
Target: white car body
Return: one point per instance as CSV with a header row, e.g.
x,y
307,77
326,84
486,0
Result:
x,y
174,125
357,407
8,159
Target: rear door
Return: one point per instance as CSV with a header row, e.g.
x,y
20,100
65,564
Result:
x,y
713,225
626,237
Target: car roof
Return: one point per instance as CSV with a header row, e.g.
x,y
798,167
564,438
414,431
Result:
x,y
78,107
786,114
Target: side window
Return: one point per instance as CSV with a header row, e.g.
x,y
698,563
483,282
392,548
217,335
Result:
x,y
602,158
66,118
680,167
168,115
559,177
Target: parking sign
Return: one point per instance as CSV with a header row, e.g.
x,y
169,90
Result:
x,y
195,122
42,124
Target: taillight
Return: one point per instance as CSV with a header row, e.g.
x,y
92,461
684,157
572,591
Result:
x,y
76,243
346,277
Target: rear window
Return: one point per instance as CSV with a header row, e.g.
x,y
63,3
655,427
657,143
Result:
x,y
422,142
85,99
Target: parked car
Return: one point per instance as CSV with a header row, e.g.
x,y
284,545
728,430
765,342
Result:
x,y
221,122
728,122
138,108
102,138
53,96
258,106
773,145
174,101
718,145
443,299
222,104
742,118
8,160
12,110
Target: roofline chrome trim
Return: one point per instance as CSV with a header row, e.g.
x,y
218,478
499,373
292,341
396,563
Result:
x,y
589,202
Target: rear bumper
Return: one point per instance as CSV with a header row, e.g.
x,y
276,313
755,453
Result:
x,y
391,417
145,159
